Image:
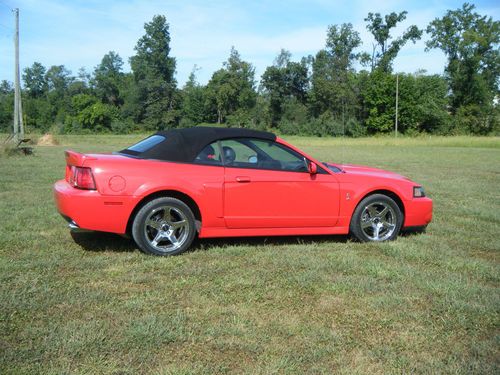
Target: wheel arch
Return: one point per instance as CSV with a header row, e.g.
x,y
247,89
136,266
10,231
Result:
x,y
190,202
389,193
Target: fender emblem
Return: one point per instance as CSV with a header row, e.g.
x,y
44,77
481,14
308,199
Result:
x,y
347,197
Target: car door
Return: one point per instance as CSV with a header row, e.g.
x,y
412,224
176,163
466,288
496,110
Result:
x,y
267,185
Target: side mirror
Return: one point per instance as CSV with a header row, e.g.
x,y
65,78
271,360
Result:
x,y
312,168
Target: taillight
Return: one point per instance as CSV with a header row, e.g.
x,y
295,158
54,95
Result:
x,y
82,178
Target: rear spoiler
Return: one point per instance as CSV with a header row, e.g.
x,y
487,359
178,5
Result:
x,y
76,159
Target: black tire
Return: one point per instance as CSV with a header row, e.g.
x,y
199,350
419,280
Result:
x,y
376,211
164,226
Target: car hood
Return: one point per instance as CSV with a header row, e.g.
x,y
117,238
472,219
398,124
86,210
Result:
x,y
367,171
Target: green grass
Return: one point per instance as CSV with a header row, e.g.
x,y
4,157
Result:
x,y
425,303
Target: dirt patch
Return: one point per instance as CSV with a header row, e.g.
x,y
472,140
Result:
x,y
47,140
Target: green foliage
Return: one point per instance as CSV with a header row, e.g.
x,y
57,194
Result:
x,y
378,101
6,106
295,119
58,79
98,116
353,128
35,80
332,81
231,88
240,119
386,49
341,43
109,81
38,114
470,41
83,101
153,69
326,125
422,104
320,95
282,81
90,115
193,102
473,119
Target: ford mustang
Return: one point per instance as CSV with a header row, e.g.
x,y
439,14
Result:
x,y
226,182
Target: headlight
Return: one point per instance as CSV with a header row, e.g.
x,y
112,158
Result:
x,y
418,192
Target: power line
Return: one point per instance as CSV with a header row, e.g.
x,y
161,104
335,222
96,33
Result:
x,y
6,5
6,27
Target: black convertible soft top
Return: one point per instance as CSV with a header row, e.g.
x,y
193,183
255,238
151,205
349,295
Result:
x,y
183,145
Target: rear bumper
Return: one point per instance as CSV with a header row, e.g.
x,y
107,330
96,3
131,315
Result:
x,y
418,212
88,209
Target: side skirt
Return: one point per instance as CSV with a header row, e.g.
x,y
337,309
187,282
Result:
x,y
256,232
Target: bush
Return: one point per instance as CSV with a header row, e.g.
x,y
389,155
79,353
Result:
x,y
326,125
239,119
472,119
97,117
295,118
354,128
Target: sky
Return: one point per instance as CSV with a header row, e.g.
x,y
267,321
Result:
x,y
77,33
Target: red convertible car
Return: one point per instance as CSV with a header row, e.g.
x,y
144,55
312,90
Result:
x,y
216,182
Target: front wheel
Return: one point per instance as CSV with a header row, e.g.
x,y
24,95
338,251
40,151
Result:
x,y
376,218
164,226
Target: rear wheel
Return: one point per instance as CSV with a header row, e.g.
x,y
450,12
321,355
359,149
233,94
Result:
x,y
376,218
164,226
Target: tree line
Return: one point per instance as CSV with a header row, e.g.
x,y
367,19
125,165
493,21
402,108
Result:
x,y
337,91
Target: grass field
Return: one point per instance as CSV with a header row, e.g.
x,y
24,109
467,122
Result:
x,y
427,303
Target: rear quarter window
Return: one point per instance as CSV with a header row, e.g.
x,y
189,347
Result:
x,y
146,144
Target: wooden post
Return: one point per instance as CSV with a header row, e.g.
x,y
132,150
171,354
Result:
x,y
397,89
18,109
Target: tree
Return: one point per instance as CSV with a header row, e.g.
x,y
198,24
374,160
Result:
x,y
58,78
284,80
35,81
231,88
193,100
154,70
333,88
341,42
108,77
6,105
378,100
6,87
470,42
385,51
423,103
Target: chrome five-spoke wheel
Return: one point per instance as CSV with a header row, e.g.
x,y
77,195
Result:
x,y
376,218
164,226
378,221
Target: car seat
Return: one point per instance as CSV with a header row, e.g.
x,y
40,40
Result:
x,y
207,154
229,155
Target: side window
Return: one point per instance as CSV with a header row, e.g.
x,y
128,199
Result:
x,y
210,155
261,154
238,154
287,159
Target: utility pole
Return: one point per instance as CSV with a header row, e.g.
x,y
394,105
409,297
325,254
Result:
x,y
397,97
18,109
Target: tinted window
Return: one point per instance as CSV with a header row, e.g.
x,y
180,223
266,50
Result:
x,y
146,144
261,154
209,155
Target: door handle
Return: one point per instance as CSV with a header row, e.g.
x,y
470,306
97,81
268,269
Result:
x,y
243,179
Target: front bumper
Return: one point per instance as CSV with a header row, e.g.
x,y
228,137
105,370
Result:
x,y
88,209
418,212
